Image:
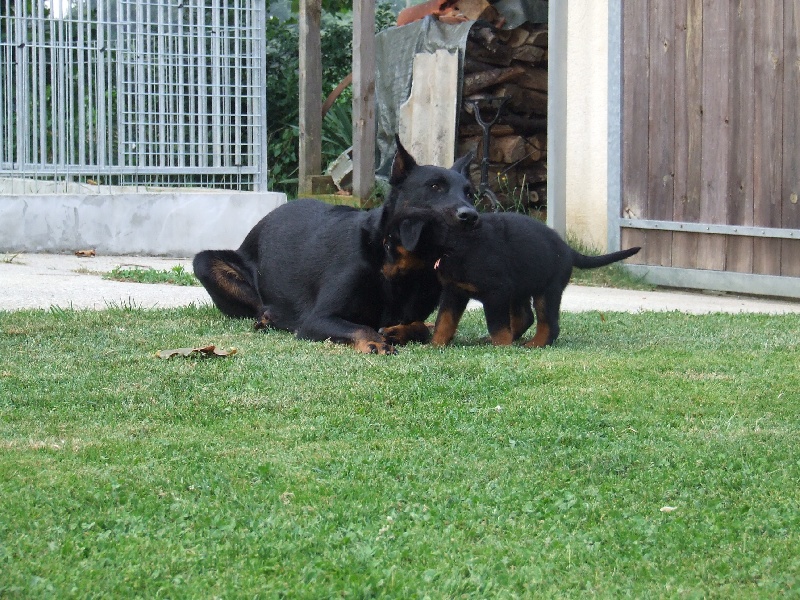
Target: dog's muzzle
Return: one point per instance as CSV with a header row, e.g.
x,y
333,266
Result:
x,y
467,217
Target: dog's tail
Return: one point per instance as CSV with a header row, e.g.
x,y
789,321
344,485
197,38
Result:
x,y
592,262
229,280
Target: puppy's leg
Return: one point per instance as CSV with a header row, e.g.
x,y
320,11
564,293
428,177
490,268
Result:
x,y
228,279
521,315
547,307
498,320
451,309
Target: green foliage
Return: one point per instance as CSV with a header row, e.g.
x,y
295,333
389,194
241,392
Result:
x,y
337,129
337,49
303,470
283,90
327,5
282,101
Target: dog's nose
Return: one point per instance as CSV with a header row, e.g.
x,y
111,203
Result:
x,y
467,216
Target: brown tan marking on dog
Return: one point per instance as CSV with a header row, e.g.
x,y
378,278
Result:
x,y
404,262
542,327
403,334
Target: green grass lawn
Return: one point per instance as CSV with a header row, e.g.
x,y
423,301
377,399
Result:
x,y
303,470
177,275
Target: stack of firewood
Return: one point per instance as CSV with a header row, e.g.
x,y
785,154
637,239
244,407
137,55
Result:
x,y
511,64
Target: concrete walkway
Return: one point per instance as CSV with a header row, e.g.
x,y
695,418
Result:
x,y
45,280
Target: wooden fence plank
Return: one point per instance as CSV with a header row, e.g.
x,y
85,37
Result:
x,y
790,251
739,256
767,142
740,182
661,110
658,248
790,210
310,119
694,92
634,237
635,101
363,98
767,256
688,126
685,248
682,109
715,129
660,196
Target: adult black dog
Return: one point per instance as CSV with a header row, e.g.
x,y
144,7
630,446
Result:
x,y
505,262
316,269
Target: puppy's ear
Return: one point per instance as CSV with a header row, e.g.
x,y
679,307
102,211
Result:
x,y
462,164
402,165
410,233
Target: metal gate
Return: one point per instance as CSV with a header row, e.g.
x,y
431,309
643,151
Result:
x,y
710,142
133,92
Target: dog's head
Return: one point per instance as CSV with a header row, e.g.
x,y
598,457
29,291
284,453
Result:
x,y
446,192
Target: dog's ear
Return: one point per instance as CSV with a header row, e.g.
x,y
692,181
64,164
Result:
x,y
462,164
402,165
410,233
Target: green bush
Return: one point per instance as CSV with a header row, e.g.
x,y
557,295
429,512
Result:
x,y
283,90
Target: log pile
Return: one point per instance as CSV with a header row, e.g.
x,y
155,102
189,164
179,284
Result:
x,y
512,64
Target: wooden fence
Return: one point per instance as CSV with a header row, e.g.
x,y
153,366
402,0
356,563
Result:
x,y
710,168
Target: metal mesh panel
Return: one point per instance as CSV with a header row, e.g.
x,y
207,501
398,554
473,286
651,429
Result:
x,y
134,92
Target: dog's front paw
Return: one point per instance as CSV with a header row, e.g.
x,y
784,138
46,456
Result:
x,y
403,334
263,322
372,347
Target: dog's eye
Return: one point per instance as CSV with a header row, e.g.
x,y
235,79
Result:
x,y
436,187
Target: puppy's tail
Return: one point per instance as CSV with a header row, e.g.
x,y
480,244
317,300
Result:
x,y
592,262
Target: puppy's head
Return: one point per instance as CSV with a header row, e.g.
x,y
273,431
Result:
x,y
446,192
414,240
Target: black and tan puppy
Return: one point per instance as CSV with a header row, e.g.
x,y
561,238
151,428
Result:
x,y
507,262
316,269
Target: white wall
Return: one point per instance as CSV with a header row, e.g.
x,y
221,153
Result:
x,y
178,223
587,121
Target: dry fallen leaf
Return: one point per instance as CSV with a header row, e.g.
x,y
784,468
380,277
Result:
x,y
85,253
209,350
668,509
